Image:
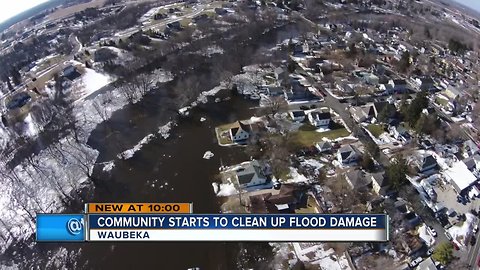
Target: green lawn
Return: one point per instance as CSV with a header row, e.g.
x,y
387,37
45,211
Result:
x,y
376,130
306,136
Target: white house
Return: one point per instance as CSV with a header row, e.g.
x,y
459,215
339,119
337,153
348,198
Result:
x,y
240,133
253,174
297,116
319,119
348,154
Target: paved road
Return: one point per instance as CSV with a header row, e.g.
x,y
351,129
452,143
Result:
x,y
473,254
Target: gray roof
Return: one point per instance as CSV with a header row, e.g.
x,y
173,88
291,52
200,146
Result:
x,y
471,146
321,115
248,172
428,161
347,151
357,179
324,145
241,126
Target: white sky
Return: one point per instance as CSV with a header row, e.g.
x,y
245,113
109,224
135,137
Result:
x,y
475,4
10,8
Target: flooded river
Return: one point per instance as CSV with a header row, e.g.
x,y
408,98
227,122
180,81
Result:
x,y
170,170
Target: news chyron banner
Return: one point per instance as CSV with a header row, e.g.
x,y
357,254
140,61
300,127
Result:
x,y
176,222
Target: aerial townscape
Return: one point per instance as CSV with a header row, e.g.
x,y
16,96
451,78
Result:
x,y
286,106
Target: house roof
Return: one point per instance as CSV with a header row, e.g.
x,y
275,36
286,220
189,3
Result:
x,y
399,82
471,146
325,145
380,179
321,115
470,163
297,113
249,171
241,127
460,176
357,179
347,151
428,161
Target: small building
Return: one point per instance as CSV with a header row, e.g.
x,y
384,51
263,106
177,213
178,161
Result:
x,y
357,181
400,133
348,154
253,174
380,184
470,148
425,163
473,163
70,72
241,133
425,83
460,176
398,86
297,116
319,119
379,107
359,114
324,146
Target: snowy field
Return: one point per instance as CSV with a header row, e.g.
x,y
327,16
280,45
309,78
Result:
x,y
44,182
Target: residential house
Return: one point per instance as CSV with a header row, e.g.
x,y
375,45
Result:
x,y
473,162
460,176
319,119
253,173
398,86
400,133
70,72
470,148
324,146
286,200
425,163
297,116
360,114
175,26
377,108
380,184
348,154
425,83
345,87
357,180
241,133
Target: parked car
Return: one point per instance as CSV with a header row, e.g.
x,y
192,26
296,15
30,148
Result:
x,y
449,237
415,262
475,229
430,251
432,231
303,107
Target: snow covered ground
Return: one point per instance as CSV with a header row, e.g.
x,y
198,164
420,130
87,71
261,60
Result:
x,y
43,182
92,81
60,168
461,234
